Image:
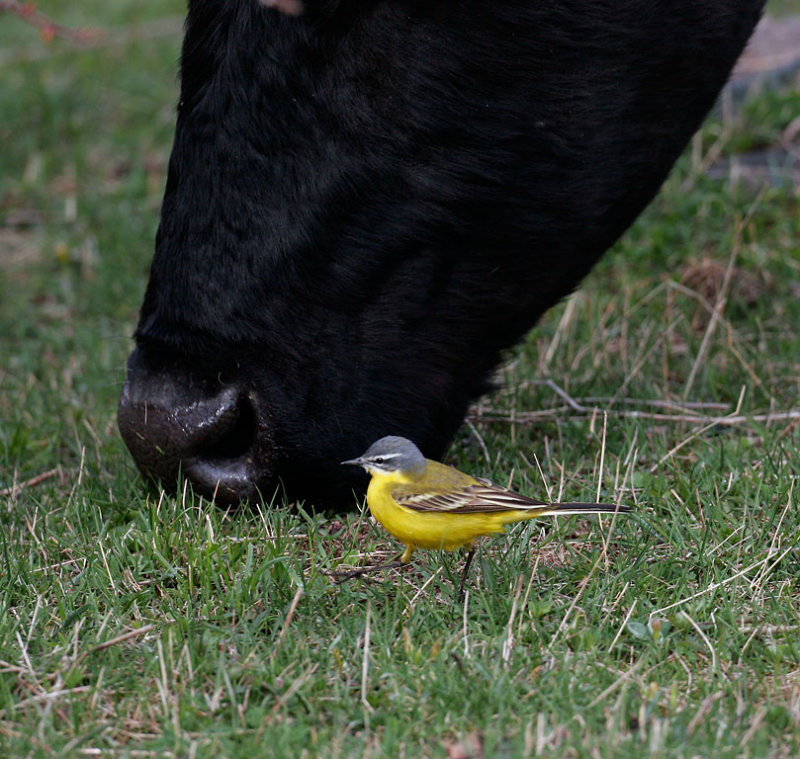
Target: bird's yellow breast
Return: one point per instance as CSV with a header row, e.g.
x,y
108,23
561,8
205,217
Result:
x,y
431,529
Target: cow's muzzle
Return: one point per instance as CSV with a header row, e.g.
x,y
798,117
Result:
x,y
211,434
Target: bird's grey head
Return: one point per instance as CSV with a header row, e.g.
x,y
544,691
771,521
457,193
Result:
x,y
391,454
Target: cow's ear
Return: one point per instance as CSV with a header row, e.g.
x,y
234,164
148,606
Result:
x,y
289,7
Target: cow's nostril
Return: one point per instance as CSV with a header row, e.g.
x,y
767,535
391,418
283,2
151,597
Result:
x,y
228,465
233,435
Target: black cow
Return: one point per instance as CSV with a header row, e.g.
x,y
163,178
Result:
x,y
368,200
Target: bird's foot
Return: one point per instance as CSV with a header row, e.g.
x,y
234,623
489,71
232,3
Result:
x,y
340,577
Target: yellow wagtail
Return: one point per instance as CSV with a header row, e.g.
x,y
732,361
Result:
x,y
425,504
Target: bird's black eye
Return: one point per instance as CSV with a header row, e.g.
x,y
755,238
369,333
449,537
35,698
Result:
x,y
379,460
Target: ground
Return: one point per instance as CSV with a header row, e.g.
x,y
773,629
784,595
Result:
x,y
137,624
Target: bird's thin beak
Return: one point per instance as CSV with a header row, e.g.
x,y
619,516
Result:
x,y
354,462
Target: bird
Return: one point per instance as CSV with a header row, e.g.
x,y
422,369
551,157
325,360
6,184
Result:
x,y
426,504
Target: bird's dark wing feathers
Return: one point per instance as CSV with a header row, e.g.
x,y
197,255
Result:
x,y
471,499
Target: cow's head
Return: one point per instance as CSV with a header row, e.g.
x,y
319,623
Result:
x,y
365,206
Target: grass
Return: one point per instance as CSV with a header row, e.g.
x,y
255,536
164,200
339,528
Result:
x,y
136,624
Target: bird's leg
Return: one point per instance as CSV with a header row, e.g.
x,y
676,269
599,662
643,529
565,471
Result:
x,y
465,572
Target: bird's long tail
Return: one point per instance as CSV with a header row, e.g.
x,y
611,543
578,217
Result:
x,y
554,509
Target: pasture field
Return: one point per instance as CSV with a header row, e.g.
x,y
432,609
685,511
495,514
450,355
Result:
x,y
137,624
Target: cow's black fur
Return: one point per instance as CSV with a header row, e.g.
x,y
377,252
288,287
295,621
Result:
x,y
366,203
